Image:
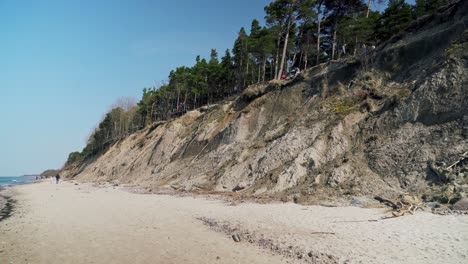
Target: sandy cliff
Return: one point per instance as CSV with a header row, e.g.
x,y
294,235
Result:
x,y
388,122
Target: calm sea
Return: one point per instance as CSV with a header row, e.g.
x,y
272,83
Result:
x,y
6,181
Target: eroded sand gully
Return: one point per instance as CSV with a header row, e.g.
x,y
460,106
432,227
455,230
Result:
x,y
70,223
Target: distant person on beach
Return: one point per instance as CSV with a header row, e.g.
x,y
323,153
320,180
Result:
x,y
57,178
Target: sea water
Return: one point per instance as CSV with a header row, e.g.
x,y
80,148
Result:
x,y
8,181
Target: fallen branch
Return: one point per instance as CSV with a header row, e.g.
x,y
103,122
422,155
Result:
x,y
357,221
322,233
387,202
463,156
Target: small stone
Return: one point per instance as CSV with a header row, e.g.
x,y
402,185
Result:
x,y
296,199
236,238
239,187
310,254
317,179
461,205
433,204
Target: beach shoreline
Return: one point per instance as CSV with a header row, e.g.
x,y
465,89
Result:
x,y
84,223
6,202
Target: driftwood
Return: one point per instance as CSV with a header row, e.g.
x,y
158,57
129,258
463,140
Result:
x,y
405,208
400,208
462,157
386,202
357,221
322,233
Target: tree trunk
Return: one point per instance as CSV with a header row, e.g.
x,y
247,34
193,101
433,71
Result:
x,y
271,72
294,59
318,39
285,48
264,69
276,63
259,73
152,111
301,57
305,60
278,44
301,36
178,97
195,101
247,72
148,115
185,101
333,45
355,47
241,72
368,8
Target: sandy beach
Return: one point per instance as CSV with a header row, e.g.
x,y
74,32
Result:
x,y
70,223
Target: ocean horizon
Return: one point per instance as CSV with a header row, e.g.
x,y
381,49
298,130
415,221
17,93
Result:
x,y
15,180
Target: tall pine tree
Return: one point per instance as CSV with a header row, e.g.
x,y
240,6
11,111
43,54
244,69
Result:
x,y
394,19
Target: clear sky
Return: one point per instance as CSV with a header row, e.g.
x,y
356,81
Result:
x,y
63,63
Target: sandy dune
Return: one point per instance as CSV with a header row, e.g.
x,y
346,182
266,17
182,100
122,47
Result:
x,y
83,224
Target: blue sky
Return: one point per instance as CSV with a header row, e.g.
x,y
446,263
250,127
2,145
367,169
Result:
x,y
63,63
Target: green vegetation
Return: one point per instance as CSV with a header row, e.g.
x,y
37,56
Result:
x,y
339,104
425,7
297,33
75,157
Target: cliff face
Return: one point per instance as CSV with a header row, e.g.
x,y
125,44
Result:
x,y
385,123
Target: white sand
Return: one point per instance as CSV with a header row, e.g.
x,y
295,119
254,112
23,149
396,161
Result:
x,y
83,224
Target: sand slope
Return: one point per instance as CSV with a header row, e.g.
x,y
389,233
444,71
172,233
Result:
x,y
83,224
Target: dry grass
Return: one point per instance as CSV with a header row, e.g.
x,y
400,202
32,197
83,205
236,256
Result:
x,y
339,104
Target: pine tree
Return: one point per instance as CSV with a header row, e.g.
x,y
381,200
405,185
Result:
x,y
266,48
357,29
394,19
320,14
213,77
227,78
198,82
284,14
338,10
424,7
240,57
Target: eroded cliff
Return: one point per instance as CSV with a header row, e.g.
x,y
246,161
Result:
x,y
388,122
